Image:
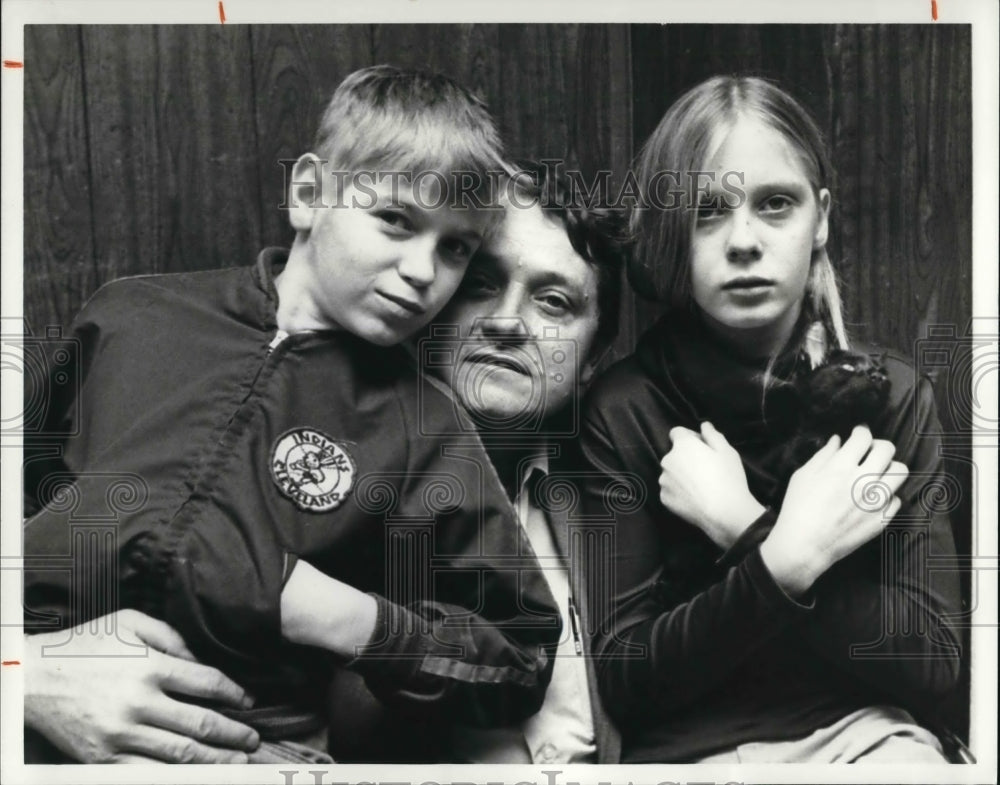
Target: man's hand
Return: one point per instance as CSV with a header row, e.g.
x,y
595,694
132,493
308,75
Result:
x,y
840,499
703,482
101,709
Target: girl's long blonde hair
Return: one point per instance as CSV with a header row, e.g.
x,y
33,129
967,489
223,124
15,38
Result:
x,y
681,145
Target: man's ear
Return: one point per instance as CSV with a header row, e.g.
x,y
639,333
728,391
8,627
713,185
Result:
x,y
822,219
305,192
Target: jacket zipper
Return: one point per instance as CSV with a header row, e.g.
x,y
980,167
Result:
x,y
279,336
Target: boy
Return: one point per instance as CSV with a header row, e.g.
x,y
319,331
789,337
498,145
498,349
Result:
x,y
285,504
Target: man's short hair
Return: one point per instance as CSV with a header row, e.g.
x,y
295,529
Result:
x,y
384,118
598,235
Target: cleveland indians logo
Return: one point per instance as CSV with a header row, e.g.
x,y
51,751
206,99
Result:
x,y
312,469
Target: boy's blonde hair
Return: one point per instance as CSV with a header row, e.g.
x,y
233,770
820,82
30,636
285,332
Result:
x,y
660,266
384,118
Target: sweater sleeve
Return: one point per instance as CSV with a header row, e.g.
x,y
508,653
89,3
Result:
x,y
646,645
884,614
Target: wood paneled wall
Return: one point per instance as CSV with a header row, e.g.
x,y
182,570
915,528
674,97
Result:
x,y
156,149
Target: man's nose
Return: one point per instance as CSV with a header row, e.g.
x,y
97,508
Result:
x,y
743,243
500,326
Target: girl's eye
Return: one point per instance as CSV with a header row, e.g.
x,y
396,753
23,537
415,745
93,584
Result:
x,y
775,205
711,209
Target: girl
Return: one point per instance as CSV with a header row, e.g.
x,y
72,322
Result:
x,y
753,616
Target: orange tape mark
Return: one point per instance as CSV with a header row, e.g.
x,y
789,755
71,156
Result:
x,y
222,13
13,64
11,662
934,10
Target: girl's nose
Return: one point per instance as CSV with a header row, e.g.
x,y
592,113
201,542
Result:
x,y
743,244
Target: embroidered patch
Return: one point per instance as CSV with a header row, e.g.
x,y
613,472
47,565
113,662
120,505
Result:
x,y
312,469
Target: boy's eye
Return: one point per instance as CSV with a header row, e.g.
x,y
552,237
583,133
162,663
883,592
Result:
x,y
458,248
395,219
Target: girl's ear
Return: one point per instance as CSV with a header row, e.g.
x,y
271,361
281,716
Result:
x,y
305,192
822,219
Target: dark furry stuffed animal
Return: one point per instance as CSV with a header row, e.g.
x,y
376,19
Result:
x,y
848,389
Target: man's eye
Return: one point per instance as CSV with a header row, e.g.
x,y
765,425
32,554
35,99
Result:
x,y
554,303
477,286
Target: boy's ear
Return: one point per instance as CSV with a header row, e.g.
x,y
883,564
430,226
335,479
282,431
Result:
x,y
822,219
305,192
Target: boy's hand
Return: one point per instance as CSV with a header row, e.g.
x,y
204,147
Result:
x,y
703,482
827,513
118,709
317,610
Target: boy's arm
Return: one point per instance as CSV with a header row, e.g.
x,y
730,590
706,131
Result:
x,y
431,656
317,610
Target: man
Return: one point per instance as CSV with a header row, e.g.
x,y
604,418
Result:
x,y
533,316
528,326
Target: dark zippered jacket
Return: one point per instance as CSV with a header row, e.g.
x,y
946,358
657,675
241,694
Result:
x,y
701,651
205,456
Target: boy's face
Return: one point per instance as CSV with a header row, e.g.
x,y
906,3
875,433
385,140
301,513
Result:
x,y
384,258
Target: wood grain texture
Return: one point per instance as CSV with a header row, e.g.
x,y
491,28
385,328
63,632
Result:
x,y
58,242
174,147
295,71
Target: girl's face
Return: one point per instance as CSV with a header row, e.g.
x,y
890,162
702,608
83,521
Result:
x,y
750,258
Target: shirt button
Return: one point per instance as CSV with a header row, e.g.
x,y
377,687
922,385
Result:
x,y
547,754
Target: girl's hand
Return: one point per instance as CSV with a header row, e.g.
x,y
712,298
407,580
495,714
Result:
x,y
840,499
704,483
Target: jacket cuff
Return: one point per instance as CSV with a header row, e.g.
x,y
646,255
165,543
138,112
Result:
x,y
770,591
394,652
751,537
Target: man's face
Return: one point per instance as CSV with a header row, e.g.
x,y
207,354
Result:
x,y
526,314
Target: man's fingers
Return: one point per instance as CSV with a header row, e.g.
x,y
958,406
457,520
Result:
x,y
170,747
202,724
201,681
128,757
158,634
